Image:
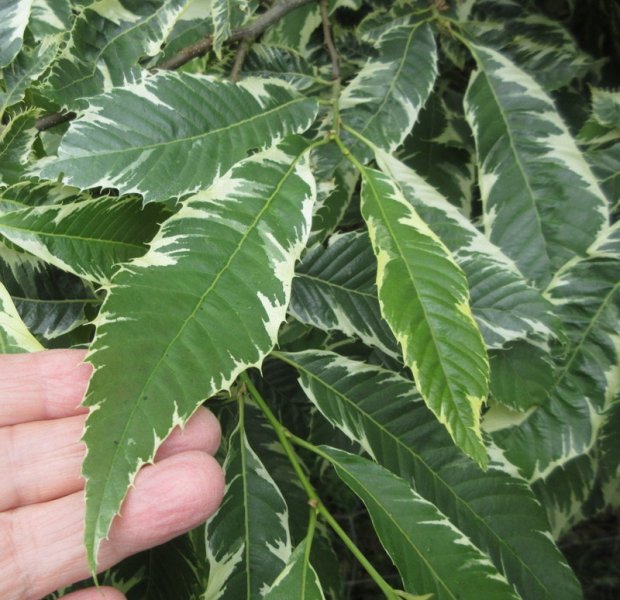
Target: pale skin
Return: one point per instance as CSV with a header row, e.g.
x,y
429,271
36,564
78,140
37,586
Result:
x,y
41,489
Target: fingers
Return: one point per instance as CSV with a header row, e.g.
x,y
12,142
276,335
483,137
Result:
x,y
42,544
102,593
51,467
42,385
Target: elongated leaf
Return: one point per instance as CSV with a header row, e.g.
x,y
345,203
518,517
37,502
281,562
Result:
x,y
14,335
29,64
50,302
505,306
183,145
498,512
383,100
14,15
334,288
430,553
268,61
248,542
227,15
542,205
298,580
295,29
230,251
587,297
16,140
107,40
606,166
88,238
424,299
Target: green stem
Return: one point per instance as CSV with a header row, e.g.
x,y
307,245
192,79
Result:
x,y
285,438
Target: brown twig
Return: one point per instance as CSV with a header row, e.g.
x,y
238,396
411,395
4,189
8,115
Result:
x,y
242,51
329,40
200,48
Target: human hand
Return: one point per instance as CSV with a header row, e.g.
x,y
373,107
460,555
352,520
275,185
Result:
x,y
41,490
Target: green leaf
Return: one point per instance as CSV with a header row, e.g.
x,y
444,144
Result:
x,y
424,298
384,414
230,251
14,15
522,375
295,29
334,289
298,579
429,552
107,40
16,140
542,205
606,107
88,238
182,145
248,542
504,305
606,166
29,64
14,335
382,102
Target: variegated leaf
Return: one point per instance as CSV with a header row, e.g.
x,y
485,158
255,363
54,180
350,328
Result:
x,y
230,251
295,29
247,539
50,302
228,15
14,15
29,64
48,18
107,40
14,335
428,550
586,294
88,238
382,102
16,140
497,511
334,288
424,298
298,579
183,145
542,204
505,306
605,163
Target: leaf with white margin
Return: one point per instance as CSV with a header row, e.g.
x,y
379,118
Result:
x,y
228,15
14,15
542,204
298,579
605,163
50,18
107,40
201,306
586,294
431,554
16,140
88,238
247,539
505,306
50,302
28,65
383,101
424,298
14,335
197,127
496,510
334,289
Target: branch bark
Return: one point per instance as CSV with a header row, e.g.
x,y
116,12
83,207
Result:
x,y
200,48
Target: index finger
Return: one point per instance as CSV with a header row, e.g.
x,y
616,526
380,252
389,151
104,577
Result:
x,y
42,385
